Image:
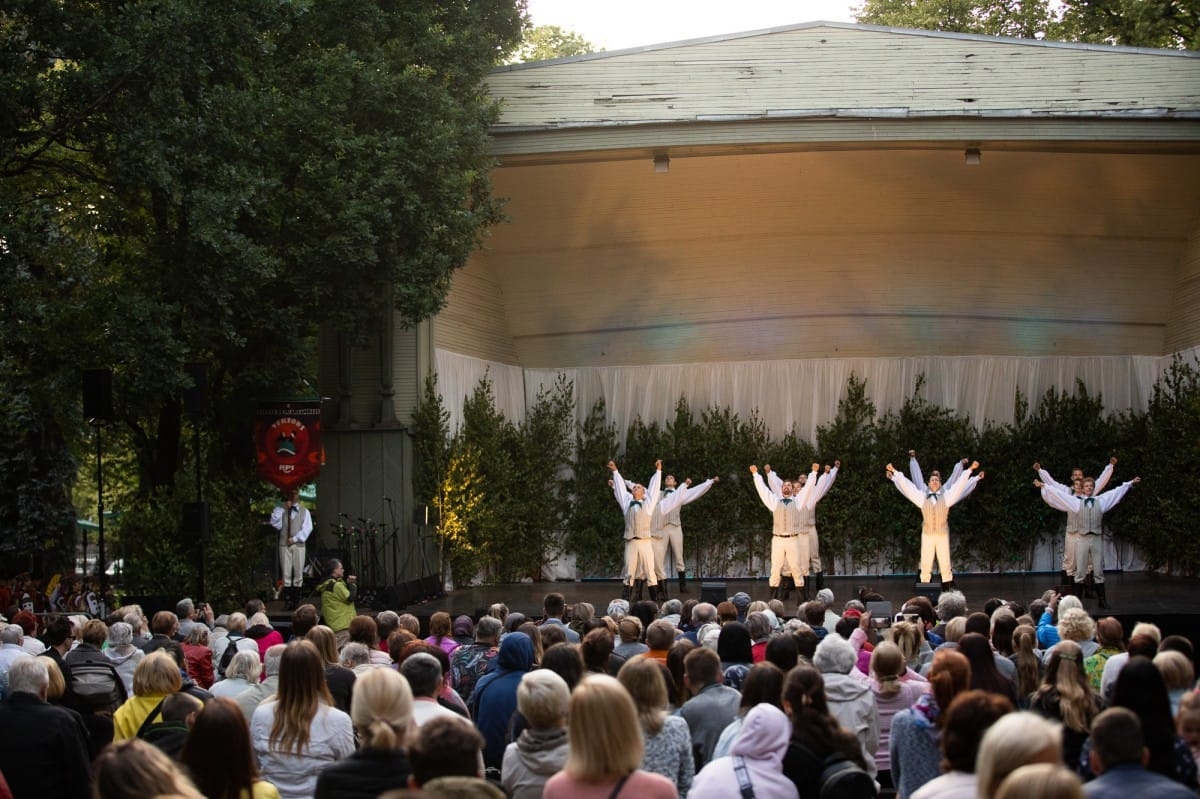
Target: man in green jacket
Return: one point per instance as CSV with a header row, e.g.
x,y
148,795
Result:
x,y
337,601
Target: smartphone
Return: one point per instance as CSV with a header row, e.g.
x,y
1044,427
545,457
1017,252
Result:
x,y
880,610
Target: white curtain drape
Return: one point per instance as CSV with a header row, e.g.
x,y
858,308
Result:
x,y
804,394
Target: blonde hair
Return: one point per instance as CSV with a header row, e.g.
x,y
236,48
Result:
x,y
1066,676
956,628
133,769
1074,624
57,686
1013,741
157,673
543,698
887,666
325,640
1029,668
1040,781
382,710
644,681
1177,671
908,637
602,716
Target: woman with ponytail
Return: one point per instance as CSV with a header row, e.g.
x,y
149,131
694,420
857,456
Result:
x,y
382,713
1027,658
892,695
815,732
1066,696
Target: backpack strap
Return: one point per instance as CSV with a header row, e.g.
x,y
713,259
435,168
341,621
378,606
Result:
x,y
149,720
617,788
743,777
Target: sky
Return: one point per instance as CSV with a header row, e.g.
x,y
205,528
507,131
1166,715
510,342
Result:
x,y
619,24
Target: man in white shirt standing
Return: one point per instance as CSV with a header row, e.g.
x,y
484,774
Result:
x,y
935,504
294,523
637,506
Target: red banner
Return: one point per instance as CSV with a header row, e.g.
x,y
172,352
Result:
x,y
287,437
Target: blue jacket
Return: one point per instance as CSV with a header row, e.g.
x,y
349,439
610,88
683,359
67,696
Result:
x,y
494,700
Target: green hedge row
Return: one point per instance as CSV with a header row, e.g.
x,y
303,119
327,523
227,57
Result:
x,y
514,496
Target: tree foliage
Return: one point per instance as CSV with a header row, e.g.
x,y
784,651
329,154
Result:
x,y
544,42
1134,23
182,181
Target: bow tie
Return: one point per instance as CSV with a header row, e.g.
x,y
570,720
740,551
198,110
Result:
x,y
636,502
787,500
1089,501
931,495
293,509
668,490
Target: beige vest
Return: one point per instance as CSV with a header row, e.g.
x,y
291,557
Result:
x,y
637,520
1091,518
787,517
935,513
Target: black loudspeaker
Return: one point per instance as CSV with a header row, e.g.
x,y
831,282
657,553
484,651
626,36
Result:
x,y
196,522
714,593
426,515
97,395
930,591
195,398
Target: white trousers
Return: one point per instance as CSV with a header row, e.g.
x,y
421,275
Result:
x,y
291,565
639,555
936,545
792,552
1089,546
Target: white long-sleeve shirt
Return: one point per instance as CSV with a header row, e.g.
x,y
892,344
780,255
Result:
x,y
639,514
300,525
1090,509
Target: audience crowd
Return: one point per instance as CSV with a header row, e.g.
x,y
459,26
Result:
x,y
958,699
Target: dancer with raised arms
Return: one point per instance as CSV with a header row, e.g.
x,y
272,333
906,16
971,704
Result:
x,y
935,504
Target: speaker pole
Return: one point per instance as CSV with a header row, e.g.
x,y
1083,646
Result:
x,y
195,402
101,563
98,410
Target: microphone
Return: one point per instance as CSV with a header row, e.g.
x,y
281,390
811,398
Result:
x,y
387,499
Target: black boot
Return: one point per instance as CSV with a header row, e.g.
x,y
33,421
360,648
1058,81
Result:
x,y
638,585
774,592
1089,586
820,580
289,598
1102,595
1064,578
654,593
662,592
626,591
786,584
683,582
804,592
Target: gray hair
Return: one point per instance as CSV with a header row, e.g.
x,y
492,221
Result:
x,y
618,609
834,655
423,672
28,674
951,604
703,613
356,654
488,628
271,662
245,664
120,634
672,607
184,608
759,625
11,634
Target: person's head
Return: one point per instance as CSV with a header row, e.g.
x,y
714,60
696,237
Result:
x,y
120,635
354,654
978,651
1075,625
132,769
30,675
1015,740
197,636
487,630
440,625
95,632
302,689
949,675
1176,669
58,631
803,691
782,651
967,719
763,684
304,618
382,710
445,746
701,667
1178,643
834,655
703,613
1004,623
630,630
244,666
813,614
908,636
979,623
887,666
398,642
1187,720
1116,738
253,608
335,568
727,612
272,659
164,623
734,644
951,605
554,605
543,699
363,630
921,606
643,679
935,482
237,623
602,714
156,674
552,634
1089,486
565,661
1041,781
325,640
424,674
596,648
185,609
219,734
1140,687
